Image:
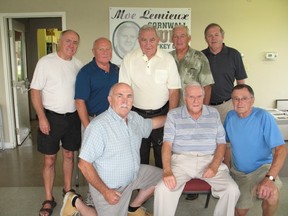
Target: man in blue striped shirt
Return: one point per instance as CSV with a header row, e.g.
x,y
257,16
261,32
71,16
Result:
x,y
110,160
194,147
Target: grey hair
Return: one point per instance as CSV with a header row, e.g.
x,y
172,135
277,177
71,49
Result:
x,y
111,92
147,28
69,30
193,84
181,27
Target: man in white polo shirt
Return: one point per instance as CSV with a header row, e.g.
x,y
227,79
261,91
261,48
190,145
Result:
x,y
153,76
52,94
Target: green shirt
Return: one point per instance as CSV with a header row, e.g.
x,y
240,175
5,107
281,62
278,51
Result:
x,y
194,66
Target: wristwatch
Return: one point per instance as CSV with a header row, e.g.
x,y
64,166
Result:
x,y
270,177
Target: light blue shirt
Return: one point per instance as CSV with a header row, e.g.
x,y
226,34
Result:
x,y
189,135
113,146
252,139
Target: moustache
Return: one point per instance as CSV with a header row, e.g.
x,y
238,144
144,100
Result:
x,y
123,106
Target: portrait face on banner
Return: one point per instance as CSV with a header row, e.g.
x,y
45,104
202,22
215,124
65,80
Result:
x,y
125,38
125,23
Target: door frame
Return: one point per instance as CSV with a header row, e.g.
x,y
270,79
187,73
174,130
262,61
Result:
x,y
20,90
7,68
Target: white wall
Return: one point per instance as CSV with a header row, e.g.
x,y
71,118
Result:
x,y
252,26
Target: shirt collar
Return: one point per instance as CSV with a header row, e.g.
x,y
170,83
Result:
x,y
223,51
188,54
158,54
95,64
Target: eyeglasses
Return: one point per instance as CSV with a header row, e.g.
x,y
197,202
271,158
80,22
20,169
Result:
x,y
244,99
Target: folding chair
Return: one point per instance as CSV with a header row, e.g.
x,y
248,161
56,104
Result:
x,y
198,186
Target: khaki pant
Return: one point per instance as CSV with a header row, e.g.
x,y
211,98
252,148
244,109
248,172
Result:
x,y
187,166
148,176
224,108
248,184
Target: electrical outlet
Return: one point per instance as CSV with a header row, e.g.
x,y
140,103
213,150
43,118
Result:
x,y
271,55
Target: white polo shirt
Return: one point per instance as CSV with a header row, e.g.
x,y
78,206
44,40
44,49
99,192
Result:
x,y
55,78
150,79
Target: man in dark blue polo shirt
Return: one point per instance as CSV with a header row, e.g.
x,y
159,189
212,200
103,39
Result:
x,y
93,84
94,81
226,66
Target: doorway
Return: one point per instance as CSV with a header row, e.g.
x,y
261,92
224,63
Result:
x,y
17,96
20,88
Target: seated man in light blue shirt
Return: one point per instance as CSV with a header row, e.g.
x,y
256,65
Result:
x,y
194,147
110,159
258,152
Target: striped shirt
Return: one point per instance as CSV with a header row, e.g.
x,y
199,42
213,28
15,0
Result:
x,y
189,135
113,146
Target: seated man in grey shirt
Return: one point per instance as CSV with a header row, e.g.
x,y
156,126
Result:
x,y
194,147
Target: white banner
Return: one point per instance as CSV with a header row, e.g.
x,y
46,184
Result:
x,y
126,22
